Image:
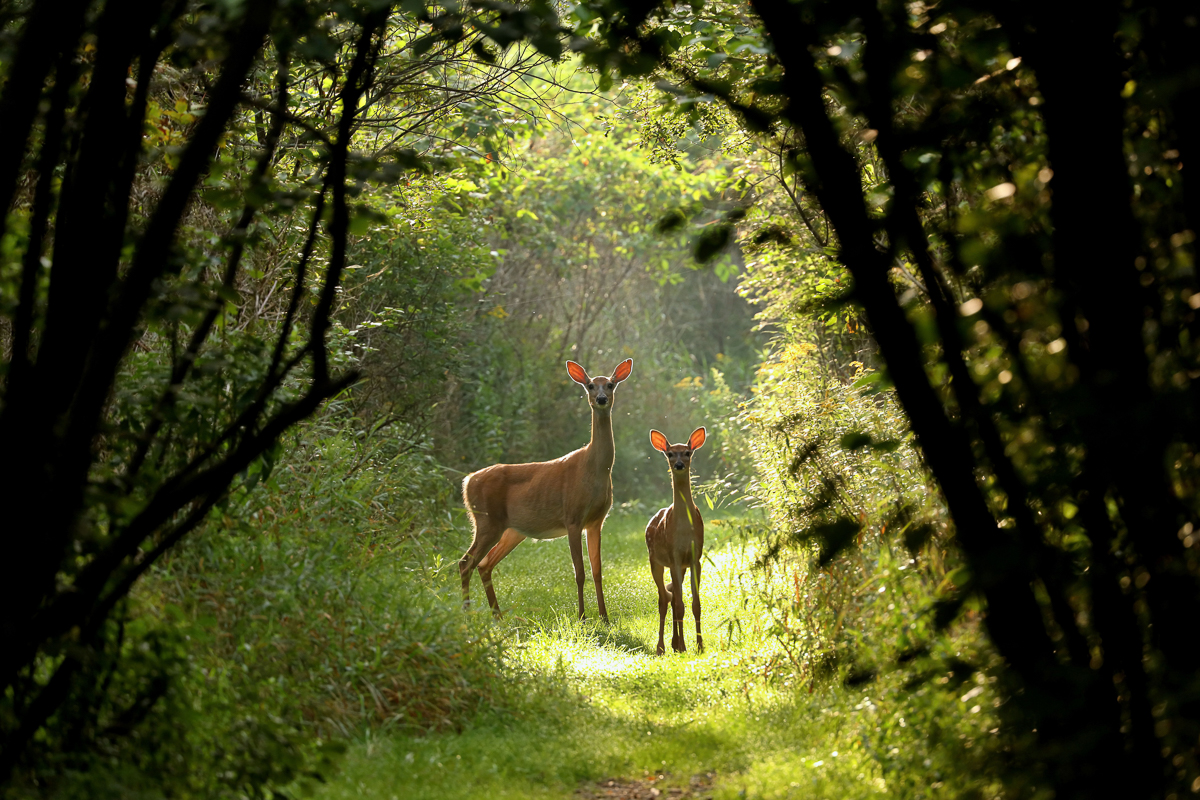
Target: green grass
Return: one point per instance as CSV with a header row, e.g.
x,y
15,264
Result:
x,y
591,702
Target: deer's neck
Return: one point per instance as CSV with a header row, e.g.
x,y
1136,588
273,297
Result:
x,y
681,480
601,450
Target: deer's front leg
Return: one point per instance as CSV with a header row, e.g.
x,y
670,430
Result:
x,y
696,604
575,539
593,545
664,600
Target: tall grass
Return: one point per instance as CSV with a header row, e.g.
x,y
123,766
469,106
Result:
x,y
326,593
305,613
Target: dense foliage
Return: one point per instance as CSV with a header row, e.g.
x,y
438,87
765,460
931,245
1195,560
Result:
x,y
1018,241
274,276
180,186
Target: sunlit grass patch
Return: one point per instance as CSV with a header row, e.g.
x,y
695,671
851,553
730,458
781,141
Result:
x,y
783,775
588,702
598,701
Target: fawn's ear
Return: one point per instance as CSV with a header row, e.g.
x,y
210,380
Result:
x,y
659,441
576,372
622,371
696,440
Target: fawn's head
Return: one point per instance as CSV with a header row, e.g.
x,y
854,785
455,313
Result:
x,y
679,456
601,390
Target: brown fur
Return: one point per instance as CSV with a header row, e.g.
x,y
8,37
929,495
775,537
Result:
x,y
675,541
546,499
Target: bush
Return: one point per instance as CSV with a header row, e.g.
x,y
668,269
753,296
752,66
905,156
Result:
x,y
855,570
305,612
320,588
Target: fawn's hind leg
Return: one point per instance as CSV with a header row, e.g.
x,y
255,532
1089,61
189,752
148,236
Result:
x,y
676,590
664,599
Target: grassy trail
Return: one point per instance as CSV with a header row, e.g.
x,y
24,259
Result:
x,y
592,703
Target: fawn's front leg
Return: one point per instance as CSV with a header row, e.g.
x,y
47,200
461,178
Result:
x,y
676,590
664,599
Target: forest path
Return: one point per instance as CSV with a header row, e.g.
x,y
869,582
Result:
x,y
595,713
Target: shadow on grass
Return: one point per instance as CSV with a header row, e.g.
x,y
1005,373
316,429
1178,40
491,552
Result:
x,y
589,631
621,639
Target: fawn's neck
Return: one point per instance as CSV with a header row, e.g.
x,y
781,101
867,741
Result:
x,y
601,450
681,481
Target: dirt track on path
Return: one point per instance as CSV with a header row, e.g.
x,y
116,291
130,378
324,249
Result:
x,y
651,788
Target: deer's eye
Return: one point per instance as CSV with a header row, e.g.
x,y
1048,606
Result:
x,y
688,454
590,387
609,386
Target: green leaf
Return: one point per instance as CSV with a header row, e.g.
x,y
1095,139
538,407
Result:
x,y
711,241
834,538
855,440
673,220
915,536
423,45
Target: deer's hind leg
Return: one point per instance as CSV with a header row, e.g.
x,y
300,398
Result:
x,y
487,534
508,541
696,603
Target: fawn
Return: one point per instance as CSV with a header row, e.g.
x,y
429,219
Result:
x,y
675,539
547,499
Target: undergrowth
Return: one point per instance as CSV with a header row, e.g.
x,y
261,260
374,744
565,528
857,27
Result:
x,y
302,615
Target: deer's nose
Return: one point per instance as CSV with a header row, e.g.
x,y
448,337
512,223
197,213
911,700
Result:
x,y
602,400
678,465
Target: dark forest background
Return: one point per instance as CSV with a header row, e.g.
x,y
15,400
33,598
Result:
x,y
274,276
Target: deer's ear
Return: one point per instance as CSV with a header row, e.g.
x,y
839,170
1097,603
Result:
x,y
659,441
696,440
622,371
576,372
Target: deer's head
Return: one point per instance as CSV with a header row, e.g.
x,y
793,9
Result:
x,y
601,390
679,456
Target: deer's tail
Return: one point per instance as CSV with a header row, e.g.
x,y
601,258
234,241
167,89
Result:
x,y
470,494
466,491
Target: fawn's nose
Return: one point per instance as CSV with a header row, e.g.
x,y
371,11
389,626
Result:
x,y
601,400
678,465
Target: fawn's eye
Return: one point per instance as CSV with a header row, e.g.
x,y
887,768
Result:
x,y
590,387
609,386
688,454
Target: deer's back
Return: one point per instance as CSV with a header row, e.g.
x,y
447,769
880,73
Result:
x,y
541,498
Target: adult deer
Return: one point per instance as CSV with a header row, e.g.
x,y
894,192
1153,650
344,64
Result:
x,y
675,539
547,499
